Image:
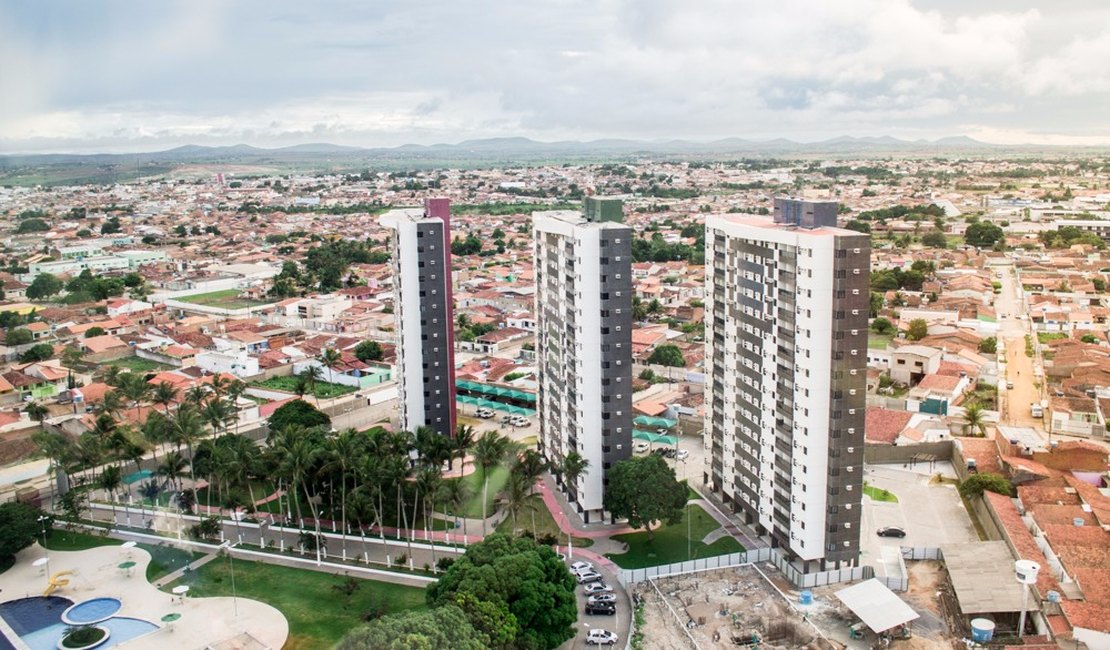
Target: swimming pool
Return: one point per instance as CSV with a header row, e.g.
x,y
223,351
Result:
x,y
38,622
91,611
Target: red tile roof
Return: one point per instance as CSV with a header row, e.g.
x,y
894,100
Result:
x,y
883,425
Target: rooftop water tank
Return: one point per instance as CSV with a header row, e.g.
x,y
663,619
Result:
x,y
982,630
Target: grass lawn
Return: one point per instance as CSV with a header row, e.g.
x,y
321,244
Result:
x,y
670,543
323,390
163,559
879,494
878,341
319,613
498,477
545,523
137,364
227,299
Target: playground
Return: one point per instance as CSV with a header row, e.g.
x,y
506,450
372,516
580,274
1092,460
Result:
x,y
48,592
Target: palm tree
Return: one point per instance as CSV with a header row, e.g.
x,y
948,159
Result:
x,y
110,480
311,375
574,465
300,459
112,375
428,480
517,492
196,394
331,358
164,393
488,453
59,449
974,418
220,384
234,391
452,494
111,403
464,440
216,414
36,412
185,428
343,453
172,468
135,389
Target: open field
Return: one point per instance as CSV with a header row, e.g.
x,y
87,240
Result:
x,y
319,610
323,389
226,299
138,364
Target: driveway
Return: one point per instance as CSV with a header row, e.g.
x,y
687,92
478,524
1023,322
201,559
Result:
x,y
931,515
618,623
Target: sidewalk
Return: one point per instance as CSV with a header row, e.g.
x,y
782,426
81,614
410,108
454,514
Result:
x,y
196,564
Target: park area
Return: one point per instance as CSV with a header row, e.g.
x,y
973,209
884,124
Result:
x,y
320,607
225,299
699,535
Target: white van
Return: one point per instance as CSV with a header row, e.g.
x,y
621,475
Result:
x,y
1036,410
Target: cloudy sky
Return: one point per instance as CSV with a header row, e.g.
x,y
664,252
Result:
x,y
139,75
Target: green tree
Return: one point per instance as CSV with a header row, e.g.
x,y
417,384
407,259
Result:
x,y
973,419
976,484
43,286
919,329
18,336
644,490
1089,338
882,326
983,234
858,226
297,413
935,239
431,629
19,524
667,355
32,225
94,331
40,352
518,575
368,351
489,451
988,345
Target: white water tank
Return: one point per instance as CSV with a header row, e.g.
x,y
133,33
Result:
x,y
1026,571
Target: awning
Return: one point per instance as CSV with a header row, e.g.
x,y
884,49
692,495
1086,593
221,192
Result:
x,y
649,421
496,391
654,437
876,605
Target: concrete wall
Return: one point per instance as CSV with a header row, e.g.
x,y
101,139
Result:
x,y
890,454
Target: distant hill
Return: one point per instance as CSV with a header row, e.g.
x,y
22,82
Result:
x,y
23,169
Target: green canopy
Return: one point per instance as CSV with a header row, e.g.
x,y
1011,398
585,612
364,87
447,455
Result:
x,y
654,437
649,421
496,391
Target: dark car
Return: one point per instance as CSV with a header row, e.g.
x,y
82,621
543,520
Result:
x,y
603,609
890,531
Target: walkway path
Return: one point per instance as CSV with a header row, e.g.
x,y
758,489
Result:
x,y
193,566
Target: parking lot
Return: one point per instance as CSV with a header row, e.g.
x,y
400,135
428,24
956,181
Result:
x,y
618,623
930,512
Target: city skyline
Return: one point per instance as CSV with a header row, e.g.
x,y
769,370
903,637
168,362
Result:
x,y
130,77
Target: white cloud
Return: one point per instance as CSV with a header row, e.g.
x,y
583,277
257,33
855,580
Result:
x,y
133,74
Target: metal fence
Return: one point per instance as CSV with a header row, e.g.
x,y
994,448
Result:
x,y
921,553
792,573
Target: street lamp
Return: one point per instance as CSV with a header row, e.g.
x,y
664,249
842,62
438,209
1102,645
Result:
x,y
231,563
42,524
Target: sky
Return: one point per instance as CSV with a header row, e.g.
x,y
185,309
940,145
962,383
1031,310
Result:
x,y
136,75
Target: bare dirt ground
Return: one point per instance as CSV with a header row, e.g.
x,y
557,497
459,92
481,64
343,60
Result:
x,y
731,608
723,609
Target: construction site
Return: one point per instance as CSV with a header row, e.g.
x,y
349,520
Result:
x,y
754,606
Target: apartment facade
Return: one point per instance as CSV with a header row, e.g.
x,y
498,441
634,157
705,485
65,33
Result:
x,y
786,365
424,314
583,315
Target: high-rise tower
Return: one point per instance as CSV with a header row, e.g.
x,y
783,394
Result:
x,y
423,312
787,302
583,269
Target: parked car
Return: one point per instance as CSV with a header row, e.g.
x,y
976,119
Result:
x,y
604,609
506,419
601,598
601,637
597,588
891,531
579,567
485,414
639,446
682,454
519,421
589,576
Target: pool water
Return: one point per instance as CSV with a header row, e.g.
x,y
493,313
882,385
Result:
x,y
91,611
27,615
38,621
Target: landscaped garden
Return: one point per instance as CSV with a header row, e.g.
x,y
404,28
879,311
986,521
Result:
x,y
323,390
670,542
498,477
879,494
164,559
535,513
321,608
